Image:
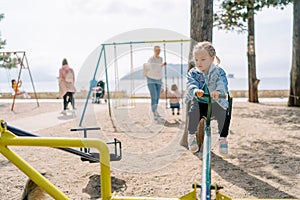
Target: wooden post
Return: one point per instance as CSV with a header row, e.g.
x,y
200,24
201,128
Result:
x,y
31,79
294,98
201,29
18,81
253,81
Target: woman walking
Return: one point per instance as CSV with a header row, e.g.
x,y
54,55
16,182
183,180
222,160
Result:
x,y
153,73
66,85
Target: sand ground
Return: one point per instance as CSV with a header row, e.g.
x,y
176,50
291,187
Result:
x,y
264,158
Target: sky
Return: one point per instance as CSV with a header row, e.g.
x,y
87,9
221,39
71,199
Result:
x,y
51,30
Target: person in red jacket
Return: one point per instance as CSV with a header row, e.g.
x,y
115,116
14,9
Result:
x,y
66,85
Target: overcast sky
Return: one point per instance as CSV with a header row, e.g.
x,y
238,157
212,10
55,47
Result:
x,y
50,30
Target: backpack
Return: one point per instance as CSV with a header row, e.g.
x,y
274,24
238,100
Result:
x,y
69,77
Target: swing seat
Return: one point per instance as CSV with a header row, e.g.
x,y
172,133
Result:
x,y
175,106
117,147
169,106
13,93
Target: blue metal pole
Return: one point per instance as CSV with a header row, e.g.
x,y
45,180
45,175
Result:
x,y
124,43
166,80
206,169
91,87
181,69
107,85
143,42
205,190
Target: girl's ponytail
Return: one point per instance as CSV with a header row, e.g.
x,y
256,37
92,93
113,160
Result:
x,y
218,60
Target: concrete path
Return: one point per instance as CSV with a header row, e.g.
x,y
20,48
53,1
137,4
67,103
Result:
x,y
42,121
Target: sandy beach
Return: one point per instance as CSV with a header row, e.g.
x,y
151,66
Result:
x,y
263,160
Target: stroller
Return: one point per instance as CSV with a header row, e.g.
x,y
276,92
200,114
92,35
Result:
x,y
98,92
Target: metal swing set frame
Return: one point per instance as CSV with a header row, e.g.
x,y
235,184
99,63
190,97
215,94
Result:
x,y
23,64
102,55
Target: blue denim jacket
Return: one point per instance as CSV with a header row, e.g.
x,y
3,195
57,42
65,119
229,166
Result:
x,y
217,81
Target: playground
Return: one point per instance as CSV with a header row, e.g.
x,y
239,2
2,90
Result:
x,y
147,160
155,114
263,161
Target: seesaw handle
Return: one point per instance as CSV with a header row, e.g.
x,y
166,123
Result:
x,y
221,96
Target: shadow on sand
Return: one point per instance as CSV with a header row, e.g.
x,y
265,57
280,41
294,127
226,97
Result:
x,y
93,188
239,177
172,123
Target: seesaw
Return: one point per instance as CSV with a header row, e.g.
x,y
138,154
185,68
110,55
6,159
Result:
x,y
7,139
85,153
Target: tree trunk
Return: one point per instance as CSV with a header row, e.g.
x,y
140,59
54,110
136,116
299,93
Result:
x,y
201,28
201,25
201,20
253,81
294,98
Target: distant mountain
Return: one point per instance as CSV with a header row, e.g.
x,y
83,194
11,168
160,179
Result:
x,y
173,70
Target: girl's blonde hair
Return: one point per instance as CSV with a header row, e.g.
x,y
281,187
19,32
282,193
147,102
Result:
x,y
208,47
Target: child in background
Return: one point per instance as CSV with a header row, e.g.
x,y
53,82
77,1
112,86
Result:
x,y
15,86
174,97
203,79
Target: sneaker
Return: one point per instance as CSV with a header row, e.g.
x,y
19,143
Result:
x,y
64,112
192,143
223,148
178,113
173,113
156,114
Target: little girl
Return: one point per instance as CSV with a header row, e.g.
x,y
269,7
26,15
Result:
x,y
206,78
16,87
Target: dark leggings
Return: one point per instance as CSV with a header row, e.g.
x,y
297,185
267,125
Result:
x,y
69,98
199,110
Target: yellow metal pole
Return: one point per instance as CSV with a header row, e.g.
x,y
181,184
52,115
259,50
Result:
x,y
190,196
143,198
33,174
8,139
